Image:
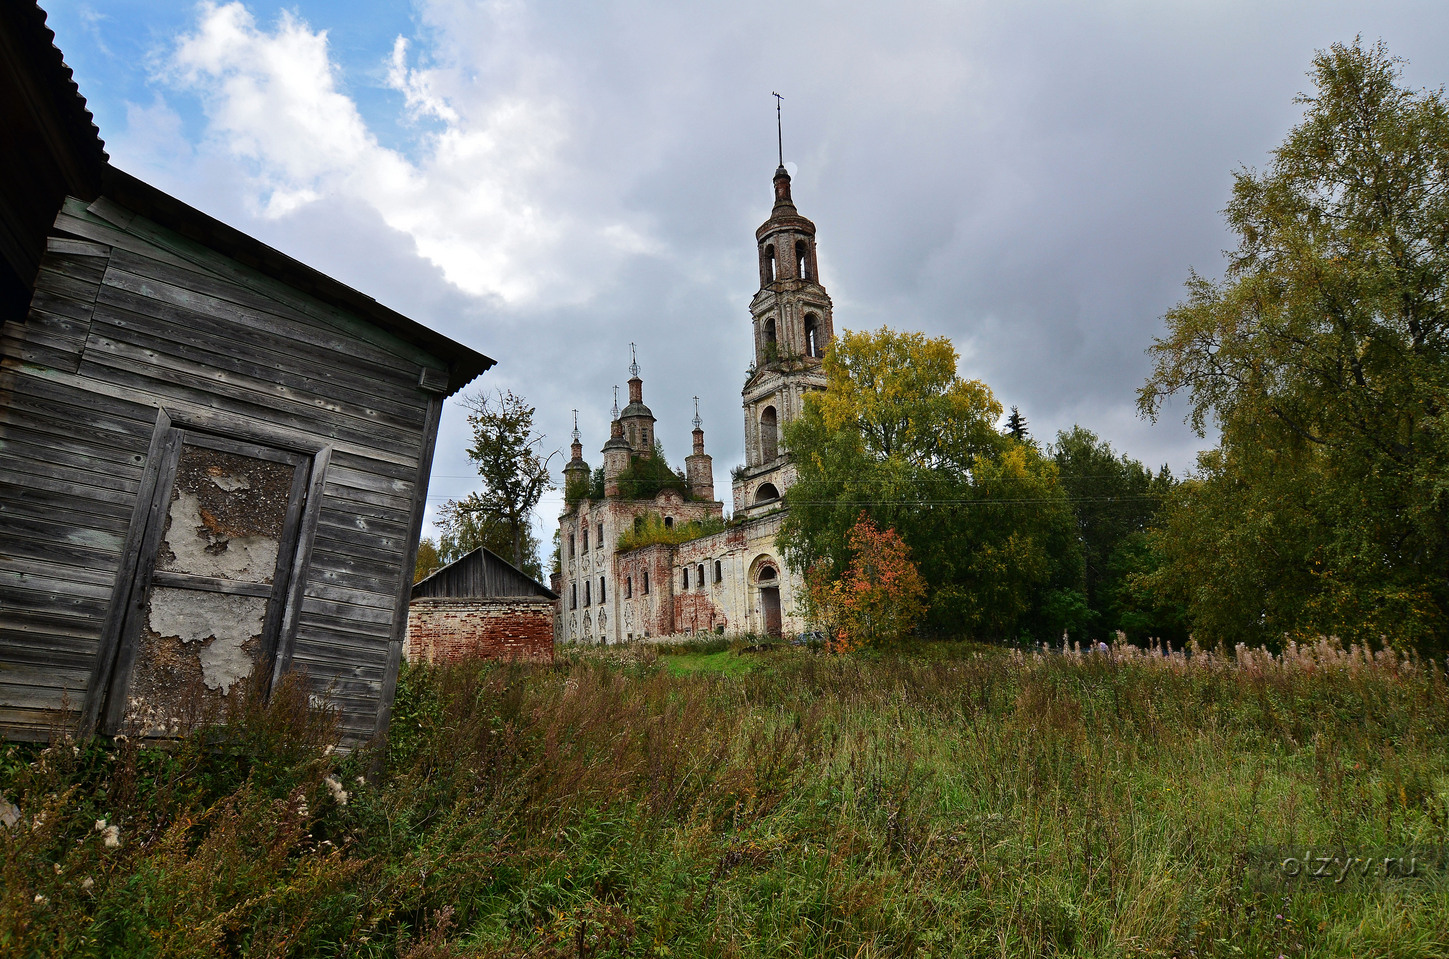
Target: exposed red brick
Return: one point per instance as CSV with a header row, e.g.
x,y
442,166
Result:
x,y
447,629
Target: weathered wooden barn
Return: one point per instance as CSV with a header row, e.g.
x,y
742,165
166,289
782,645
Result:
x,y
482,606
213,459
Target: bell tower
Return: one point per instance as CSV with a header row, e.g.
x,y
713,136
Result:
x,y
792,321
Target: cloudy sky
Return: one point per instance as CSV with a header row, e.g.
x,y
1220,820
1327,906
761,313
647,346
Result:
x,y
548,182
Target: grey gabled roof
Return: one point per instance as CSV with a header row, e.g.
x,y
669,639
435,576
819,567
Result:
x,y
53,149
481,574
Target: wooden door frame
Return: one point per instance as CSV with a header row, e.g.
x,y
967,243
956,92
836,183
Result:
x,y
121,631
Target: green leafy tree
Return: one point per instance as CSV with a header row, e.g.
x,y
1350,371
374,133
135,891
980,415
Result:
x,y
1321,359
899,436
428,560
515,476
647,476
1016,426
1113,498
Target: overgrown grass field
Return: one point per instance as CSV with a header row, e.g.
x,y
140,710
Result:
x,y
702,801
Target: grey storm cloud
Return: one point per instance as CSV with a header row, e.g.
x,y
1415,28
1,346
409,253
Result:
x,y
1032,180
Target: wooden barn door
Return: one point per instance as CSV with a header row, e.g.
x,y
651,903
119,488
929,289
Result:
x,y
213,580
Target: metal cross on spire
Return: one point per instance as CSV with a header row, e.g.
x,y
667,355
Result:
x,y
577,436
633,362
698,423
615,411
779,130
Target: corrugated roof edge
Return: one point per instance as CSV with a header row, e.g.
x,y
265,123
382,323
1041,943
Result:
x,y
37,44
464,364
543,590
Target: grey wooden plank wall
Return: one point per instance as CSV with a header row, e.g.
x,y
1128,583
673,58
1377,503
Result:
x,y
129,318
478,574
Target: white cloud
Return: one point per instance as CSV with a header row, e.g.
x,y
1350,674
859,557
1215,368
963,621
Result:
x,y
473,197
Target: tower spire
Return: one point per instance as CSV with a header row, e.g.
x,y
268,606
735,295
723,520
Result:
x,y
779,130
577,436
614,413
698,423
633,362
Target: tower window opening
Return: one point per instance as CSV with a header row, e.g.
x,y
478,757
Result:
x,y
812,336
769,436
767,265
766,493
802,260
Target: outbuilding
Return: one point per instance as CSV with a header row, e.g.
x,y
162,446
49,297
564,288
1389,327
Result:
x,y
213,459
481,606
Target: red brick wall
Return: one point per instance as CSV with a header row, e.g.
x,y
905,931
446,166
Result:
x,y
444,629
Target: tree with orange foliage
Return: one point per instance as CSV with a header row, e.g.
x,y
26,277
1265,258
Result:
x,y
879,599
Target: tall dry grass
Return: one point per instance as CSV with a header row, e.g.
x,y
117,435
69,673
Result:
x,y
1048,803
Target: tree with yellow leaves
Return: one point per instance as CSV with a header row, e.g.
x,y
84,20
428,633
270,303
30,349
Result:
x,y
899,436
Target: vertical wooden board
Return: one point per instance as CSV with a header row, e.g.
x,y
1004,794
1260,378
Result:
x,y
400,617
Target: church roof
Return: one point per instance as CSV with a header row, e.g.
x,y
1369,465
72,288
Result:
x,y
635,409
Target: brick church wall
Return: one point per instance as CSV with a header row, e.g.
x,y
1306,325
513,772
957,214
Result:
x,y
516,627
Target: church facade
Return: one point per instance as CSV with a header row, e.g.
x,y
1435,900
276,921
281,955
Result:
x,y
731,578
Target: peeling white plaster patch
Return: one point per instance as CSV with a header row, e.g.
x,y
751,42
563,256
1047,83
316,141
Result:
x,y
228,621
201,551
232,483
223,663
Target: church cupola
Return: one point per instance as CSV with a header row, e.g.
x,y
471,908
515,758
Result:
x,y
636,418
576,473
616,458
698,465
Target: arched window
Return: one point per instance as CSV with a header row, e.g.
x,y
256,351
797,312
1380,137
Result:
x,y
573,596
646,582
571,546
813,346
669,522
628,587
586,539
767,574
684,579
602,597
769,436
600,543
718,572
766,492
767,265
802,260
701,576
771,346
586,594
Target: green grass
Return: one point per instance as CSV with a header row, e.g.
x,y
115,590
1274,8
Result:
x,y
683,803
